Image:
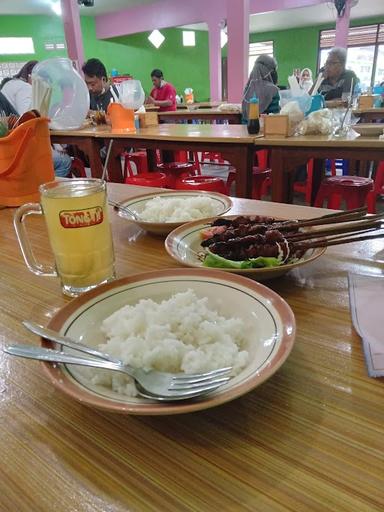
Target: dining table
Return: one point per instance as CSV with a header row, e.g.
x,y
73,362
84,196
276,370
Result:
x,y
198,104
287,154
206,115
368,115
232,141
235,145
308,439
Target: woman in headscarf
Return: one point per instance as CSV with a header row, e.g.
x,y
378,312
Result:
x,y
305,79
262,84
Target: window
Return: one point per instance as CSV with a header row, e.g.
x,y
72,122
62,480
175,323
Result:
x,y
54,46
256,49
189,38
16,46
365,53
8,69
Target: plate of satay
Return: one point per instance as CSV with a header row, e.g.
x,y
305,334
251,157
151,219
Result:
x,y
266,247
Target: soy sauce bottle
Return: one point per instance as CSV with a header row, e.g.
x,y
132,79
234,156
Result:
x,y
253,116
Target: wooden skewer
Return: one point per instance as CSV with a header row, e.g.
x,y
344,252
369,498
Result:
x,y
338,241
346,228
337,218
362,210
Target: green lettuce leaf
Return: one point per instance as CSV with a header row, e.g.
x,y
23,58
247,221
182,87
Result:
x,y
213,260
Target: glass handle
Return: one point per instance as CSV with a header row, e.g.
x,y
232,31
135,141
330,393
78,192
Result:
x,y
25,245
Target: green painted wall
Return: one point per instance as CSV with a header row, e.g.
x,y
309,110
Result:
x,y
298,47
42,29
183,66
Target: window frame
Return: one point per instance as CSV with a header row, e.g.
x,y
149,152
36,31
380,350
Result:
x,y
376,43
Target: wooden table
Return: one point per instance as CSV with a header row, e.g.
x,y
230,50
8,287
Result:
x,y
289,153
369,114
201,114
309,439
85,140
201,104
233,141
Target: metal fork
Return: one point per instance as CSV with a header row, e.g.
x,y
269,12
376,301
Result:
x,y
172,385
123,209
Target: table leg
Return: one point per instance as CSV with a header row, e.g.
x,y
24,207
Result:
x,y
114,165
151,158
317,177
241,158
281,180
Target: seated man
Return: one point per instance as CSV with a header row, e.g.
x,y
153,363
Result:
x,y
163,94
100,91
337,79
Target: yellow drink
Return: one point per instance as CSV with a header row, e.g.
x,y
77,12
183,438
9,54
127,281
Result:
x,y
76,215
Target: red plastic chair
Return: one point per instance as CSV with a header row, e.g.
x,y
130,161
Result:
x,y
212,157
378,188
261,158
144,179
139,158
77,168
176,170
207,183
352,189
258,181
305,187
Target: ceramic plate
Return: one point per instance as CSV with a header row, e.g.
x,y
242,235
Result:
x,y
269,328
369,129
183,245
137,204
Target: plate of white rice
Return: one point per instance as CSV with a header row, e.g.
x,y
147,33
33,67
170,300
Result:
x,y
181,321
161,212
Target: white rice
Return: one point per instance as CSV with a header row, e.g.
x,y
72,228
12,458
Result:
x,y
172,209
181,334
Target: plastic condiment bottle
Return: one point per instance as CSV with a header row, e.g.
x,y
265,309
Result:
x,y
253,116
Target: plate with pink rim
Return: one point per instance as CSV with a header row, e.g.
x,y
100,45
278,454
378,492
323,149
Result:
x,y
183,244
268,334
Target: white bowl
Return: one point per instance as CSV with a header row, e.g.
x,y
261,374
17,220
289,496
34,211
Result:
x,y
138,203
269,328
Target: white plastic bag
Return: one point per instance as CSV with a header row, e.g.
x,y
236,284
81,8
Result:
x,y
131,94
318,122
69,101
295,115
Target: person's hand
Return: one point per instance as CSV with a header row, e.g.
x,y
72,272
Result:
x,y
150,100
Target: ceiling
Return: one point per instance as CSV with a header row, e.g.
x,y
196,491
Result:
x,y
43,6
305,16
263,22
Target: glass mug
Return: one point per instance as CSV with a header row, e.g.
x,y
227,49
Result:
x,y
79,232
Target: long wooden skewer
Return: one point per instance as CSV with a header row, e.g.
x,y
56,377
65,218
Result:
x,y
347,228
338,241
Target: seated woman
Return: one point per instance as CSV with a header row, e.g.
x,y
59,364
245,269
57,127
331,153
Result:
x,y
305,79
262,84
17,93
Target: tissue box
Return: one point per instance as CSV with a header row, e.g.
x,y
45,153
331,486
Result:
x,y
276,126
148,119
366,101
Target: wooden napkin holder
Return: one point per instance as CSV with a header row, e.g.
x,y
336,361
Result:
x,y
276,126
366,101
148,119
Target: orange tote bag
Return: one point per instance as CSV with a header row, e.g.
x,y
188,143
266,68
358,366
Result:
x,y
25,162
